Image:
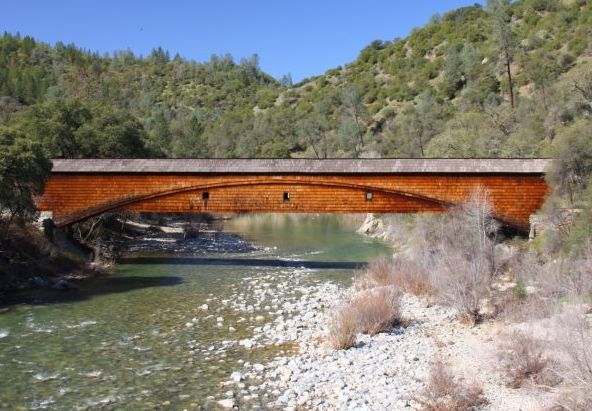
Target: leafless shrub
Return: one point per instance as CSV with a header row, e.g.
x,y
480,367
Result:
x,y
342,328
564,278
400,272
524,360
461,283
370,312
574,340
412,277
376,310
458,253
378,273
444,392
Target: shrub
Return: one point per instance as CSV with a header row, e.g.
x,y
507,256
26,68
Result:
x,y
574,340
376,310
524,360
458,252
444,392
342,328
400,272
567,278
412,277
371,311
461,283
377,273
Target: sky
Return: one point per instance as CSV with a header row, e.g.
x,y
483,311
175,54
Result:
x,y
302,37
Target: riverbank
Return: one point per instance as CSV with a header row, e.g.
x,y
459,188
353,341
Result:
x,y
29,260
166,328
387,371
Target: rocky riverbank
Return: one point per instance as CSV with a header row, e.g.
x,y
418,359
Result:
x,y
383,372
388,371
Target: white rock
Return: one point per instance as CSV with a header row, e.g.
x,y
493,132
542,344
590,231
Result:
x,y
236,376
227,403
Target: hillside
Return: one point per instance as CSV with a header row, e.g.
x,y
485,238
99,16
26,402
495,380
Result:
x,y
442,91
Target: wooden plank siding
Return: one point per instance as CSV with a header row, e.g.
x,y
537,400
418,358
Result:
x,y
74,195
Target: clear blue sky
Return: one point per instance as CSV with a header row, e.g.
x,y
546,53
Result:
x,y
302,37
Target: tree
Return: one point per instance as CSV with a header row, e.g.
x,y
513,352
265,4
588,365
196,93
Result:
x,y
572,151
466,135
71,128
112,134
54,125
420,123
286,80
582,83
352,129
314,129
160,132
188,138
504,36
23,171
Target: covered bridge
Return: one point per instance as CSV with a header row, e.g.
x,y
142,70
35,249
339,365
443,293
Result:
x,y
82,188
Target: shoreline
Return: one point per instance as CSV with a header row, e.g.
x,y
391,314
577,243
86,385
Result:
x,y
387,371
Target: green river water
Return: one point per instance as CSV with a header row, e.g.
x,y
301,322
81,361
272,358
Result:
x,y
142,339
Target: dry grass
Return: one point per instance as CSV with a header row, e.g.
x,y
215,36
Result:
x,y
524,360
574,341
342,328
376,310
378,273
370,312
444,392
412,277
400,272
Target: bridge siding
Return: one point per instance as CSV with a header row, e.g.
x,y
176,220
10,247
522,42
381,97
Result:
x,y
72,196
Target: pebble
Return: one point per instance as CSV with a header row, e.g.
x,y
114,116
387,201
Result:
x,y
226,403
236,376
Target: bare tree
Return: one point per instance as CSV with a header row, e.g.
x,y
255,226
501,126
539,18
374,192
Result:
x,y
502,31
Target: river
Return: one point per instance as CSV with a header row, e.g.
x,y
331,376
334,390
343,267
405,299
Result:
x,y
162,332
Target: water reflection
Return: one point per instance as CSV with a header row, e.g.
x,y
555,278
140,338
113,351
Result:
x,y
89,289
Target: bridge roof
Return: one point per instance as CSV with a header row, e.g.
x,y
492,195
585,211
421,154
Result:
x,y
303,166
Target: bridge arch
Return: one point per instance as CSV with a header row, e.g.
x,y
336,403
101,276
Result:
x,y
145,202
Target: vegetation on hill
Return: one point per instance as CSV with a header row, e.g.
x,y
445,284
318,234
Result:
x,y
505,79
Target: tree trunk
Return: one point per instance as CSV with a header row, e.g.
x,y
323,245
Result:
x,y
508,62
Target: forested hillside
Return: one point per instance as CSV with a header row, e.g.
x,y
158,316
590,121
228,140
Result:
x,y
505,79
501,80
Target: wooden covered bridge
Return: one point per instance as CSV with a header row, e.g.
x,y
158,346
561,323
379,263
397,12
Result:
x,y
79,189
